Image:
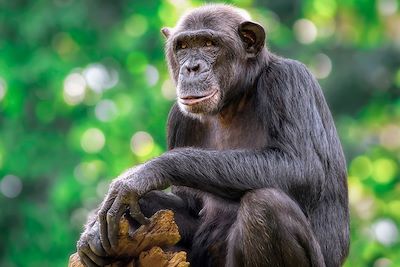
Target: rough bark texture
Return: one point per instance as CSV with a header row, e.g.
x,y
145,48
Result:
x,y
143,247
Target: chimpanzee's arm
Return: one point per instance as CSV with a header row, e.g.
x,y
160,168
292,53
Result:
x,y
298,123
230,173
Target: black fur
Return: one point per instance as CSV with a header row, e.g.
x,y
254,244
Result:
x,y
258,172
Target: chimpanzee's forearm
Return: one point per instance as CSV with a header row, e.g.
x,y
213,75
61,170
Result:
x,y
231,173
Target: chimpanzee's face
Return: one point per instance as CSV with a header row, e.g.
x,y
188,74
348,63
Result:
x,y
207,54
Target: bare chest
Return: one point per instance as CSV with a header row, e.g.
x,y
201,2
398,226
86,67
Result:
x,y
240,133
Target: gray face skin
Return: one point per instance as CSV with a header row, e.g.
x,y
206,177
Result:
x,y
205,57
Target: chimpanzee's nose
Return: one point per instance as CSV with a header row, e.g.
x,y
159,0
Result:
x,y
193,67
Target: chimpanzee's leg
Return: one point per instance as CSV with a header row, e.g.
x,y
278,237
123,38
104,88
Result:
x,y
271,230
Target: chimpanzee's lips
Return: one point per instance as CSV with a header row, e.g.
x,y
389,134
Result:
x,y
192,100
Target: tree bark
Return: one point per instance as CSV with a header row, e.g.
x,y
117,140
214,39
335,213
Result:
x,y
143,247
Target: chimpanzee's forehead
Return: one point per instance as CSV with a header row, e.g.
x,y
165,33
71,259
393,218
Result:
x,y
220,18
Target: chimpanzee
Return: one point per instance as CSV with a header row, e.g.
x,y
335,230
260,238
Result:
x,y
257,170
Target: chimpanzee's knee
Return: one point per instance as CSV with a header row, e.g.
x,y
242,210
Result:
x,y
272,230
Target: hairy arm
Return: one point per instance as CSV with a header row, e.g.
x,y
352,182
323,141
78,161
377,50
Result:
x,y
230,173
289,106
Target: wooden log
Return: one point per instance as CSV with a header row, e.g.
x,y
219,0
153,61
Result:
x,y
143,247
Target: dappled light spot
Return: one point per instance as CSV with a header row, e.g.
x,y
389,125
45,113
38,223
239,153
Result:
x,y
102,188
361,167
136,26
385,231
355,190
10,186
124,104
142,144
92,140
168,90
99,78
387,7
152,75
88,172
382,262
365,208
105,110
384,170
74,88
305,31
326,9
390,136
321,66
271,20
3,88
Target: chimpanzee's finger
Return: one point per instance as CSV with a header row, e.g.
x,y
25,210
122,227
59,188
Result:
x,y
86,260
96,246
103,225
136,213
100,261
113,219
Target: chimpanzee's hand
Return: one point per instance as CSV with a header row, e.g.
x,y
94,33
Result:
x,y
90,250
123,195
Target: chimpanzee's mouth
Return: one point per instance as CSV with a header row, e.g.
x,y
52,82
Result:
x,y
195,99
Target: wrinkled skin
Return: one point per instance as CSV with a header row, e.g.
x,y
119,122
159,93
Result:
x,y
257,171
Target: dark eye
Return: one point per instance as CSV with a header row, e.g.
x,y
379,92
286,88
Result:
x,y
182,45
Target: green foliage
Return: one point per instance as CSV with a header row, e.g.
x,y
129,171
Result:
x,y
84,94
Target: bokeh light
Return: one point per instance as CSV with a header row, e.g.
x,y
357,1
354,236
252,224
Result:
x,y
321,66
92,140
102,188
105,110
386,232
88,172
142,143
168,90
384,170
3,88
152,75
136,25
387,7
361,167
390,136
99,78
305,31
10,186
382,262
74,88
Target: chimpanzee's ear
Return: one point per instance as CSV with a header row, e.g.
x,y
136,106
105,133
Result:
x,y
253,36
166,32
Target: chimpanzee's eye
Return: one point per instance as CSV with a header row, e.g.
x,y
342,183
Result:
x,y
182,45
209,43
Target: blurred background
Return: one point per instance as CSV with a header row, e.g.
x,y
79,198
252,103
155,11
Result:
x,y
85,93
